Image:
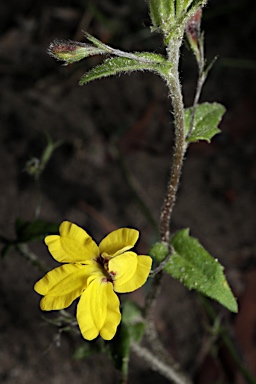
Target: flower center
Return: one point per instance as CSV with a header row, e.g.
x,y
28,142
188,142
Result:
x,y
104,263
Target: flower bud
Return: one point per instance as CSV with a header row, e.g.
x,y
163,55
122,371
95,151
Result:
x,y
71,51
193,33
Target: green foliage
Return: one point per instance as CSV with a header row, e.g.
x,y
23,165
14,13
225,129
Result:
x,y
162,12
119,349
131,328
192,265
159,251
116,65
90,348
70,52
206,119
171,16
182,5
132,317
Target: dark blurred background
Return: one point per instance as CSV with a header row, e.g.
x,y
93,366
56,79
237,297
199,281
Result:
x,y
116,146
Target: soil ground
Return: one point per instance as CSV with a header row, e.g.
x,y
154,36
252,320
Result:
x,y
110,129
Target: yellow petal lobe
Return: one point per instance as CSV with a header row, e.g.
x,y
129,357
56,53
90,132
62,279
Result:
x,y
73,245
119,241
64,284
123,267
98,310
139,277
61,286
113,317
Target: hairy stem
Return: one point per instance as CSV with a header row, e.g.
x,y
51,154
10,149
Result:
x,y
155,363
172,79
174,86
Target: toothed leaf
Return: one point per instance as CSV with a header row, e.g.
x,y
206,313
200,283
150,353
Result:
x,y
192,265
207,119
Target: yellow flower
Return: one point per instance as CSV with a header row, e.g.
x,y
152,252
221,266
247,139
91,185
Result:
x,y
93,272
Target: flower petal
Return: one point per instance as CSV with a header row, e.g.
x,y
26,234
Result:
x,y
73,244
119,241
63,285
98,310
113,317
122,268
137,279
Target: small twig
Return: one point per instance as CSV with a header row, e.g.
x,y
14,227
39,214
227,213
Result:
x,y
202,76
161,266
113,51
199,86
156,364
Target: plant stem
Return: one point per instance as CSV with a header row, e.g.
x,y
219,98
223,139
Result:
x,y
173,83
174,86
200,83
202,75
172,79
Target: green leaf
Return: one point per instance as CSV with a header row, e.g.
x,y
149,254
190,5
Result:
x,y
182,6
89,348
187,3
161,13
196,269
151,58
116,65
119,348
207,118
155,14
132,317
